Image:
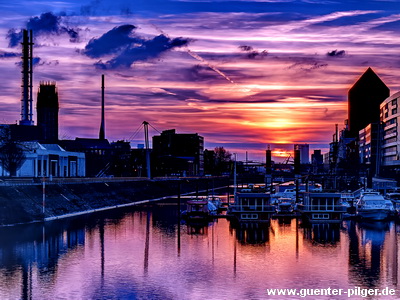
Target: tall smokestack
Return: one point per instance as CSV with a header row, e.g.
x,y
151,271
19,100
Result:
x,y
27,75
102,129
296,160
268,161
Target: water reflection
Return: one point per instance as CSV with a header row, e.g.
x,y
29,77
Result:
x,y
36,246
197,229
255,235
323,234
148,253
366,252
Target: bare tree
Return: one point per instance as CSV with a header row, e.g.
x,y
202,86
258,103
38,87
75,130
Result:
x,y
12,154
222,159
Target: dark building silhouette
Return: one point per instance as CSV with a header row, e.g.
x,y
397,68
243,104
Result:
x,y
180,154
268,161
97,153
47,111
122,159
102,157
364,98
317,161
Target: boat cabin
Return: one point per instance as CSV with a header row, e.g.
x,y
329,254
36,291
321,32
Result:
x,y
252,207
323,207
197,209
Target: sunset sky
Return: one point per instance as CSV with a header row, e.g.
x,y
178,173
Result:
x,y
243,74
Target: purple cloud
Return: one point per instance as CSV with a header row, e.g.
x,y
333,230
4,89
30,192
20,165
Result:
x,y
128,48
251,53
47,23
111,42
4,54
336,53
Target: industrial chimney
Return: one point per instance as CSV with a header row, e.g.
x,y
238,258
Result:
x,y
27,65
268,161
102,129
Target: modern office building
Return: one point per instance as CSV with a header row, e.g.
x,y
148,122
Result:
x,y
178,154
364,99
390,144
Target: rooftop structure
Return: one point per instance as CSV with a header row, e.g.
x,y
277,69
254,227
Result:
x,y
364,98
47,108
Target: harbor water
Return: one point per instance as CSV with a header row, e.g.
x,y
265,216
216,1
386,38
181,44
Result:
x,y
146,253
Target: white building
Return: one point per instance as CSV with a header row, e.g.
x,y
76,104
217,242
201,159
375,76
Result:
x,y
45,160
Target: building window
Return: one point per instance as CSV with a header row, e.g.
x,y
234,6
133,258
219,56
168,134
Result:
x,y
394,101
394,111
320,216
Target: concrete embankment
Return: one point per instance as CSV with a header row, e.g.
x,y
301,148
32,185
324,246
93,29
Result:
x,y
22,202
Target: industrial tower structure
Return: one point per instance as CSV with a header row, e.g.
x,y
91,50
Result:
x,y
102,124
27,66
47,108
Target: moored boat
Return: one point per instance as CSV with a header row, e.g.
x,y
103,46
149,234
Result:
x,y
216,201
373,206
285,206
251,207
322,207
394,198
199,210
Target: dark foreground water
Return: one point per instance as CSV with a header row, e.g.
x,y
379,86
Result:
x,y
142,253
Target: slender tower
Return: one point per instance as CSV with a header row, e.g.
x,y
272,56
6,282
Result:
x,y
47,108
27,65
102,129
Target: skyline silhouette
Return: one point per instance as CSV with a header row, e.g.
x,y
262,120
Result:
x,y
243,74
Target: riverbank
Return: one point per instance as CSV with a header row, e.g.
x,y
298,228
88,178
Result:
x,y
22,201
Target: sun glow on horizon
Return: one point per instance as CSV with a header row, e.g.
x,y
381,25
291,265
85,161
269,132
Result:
x,y
241,79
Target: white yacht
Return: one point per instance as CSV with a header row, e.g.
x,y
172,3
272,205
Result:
x,y
373,206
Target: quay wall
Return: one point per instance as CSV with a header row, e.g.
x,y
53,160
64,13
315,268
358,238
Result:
x,y
22,201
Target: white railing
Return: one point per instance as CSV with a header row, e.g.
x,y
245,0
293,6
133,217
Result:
x,y
252,208
330,208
